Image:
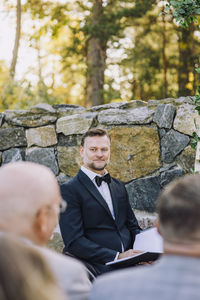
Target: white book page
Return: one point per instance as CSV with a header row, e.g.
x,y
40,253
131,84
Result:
x,y
123,259
149,240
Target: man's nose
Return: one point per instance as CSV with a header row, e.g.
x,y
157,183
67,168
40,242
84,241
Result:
x,y
99,153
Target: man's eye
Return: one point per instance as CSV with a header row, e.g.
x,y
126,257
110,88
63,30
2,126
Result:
x,y
93,149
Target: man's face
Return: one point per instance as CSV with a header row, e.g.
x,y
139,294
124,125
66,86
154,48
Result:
x,y
96,152
53,215
48,217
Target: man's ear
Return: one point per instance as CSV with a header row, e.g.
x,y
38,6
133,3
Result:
x,y
81,151
157,225
41,225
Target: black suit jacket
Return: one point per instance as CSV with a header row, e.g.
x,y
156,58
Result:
x,y
87,226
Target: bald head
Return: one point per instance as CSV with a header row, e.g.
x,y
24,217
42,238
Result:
x,y
25,188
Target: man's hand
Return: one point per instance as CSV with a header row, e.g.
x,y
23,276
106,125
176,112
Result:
x,y
128,253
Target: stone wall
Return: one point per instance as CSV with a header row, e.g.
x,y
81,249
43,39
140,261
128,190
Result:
x,y
150,142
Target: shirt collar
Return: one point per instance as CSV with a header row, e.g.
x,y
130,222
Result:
x,y
90,173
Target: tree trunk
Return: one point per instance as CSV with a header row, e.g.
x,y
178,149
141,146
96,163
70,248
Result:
x,y
185,87
96,56
165,62
17,39
42,88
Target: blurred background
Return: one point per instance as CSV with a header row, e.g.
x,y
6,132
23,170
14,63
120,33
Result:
x,y
92,52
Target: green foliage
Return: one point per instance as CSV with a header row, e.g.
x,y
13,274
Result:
x,y
194,140
110,94
184,11
37,8
145,60
67,26
192,171
115,18
21,95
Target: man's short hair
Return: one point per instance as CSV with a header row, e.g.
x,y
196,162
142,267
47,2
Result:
x,y
179,209
94,132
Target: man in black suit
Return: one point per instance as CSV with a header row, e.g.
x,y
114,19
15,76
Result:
x,y
99,224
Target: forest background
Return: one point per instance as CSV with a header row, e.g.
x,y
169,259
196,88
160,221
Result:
x,y
94,52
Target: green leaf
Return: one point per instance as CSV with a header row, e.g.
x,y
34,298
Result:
x,y
195,124
197,99
181,11
195,140
193,144
174,3
197,11
192,170
198,109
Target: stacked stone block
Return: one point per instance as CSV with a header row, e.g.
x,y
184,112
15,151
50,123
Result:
x,y
150,141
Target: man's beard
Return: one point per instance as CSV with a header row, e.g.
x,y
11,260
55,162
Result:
x,y
94,167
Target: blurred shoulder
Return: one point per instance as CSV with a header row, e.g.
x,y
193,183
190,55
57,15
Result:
x,y
61,259
71,274
118,284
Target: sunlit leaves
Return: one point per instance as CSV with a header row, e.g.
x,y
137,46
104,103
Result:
x,y
184,11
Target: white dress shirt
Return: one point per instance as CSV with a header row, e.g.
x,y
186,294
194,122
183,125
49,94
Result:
x,y
103,188
104,191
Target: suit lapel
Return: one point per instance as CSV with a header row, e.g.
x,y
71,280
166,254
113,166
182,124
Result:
x,y
114,198
89,185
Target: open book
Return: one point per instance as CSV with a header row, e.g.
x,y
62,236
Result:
x,y
149,242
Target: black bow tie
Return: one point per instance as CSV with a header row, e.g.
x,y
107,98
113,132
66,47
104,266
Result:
x,y
105,178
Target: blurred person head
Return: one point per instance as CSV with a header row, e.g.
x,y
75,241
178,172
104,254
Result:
x,y
24,273
179,215
29,201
